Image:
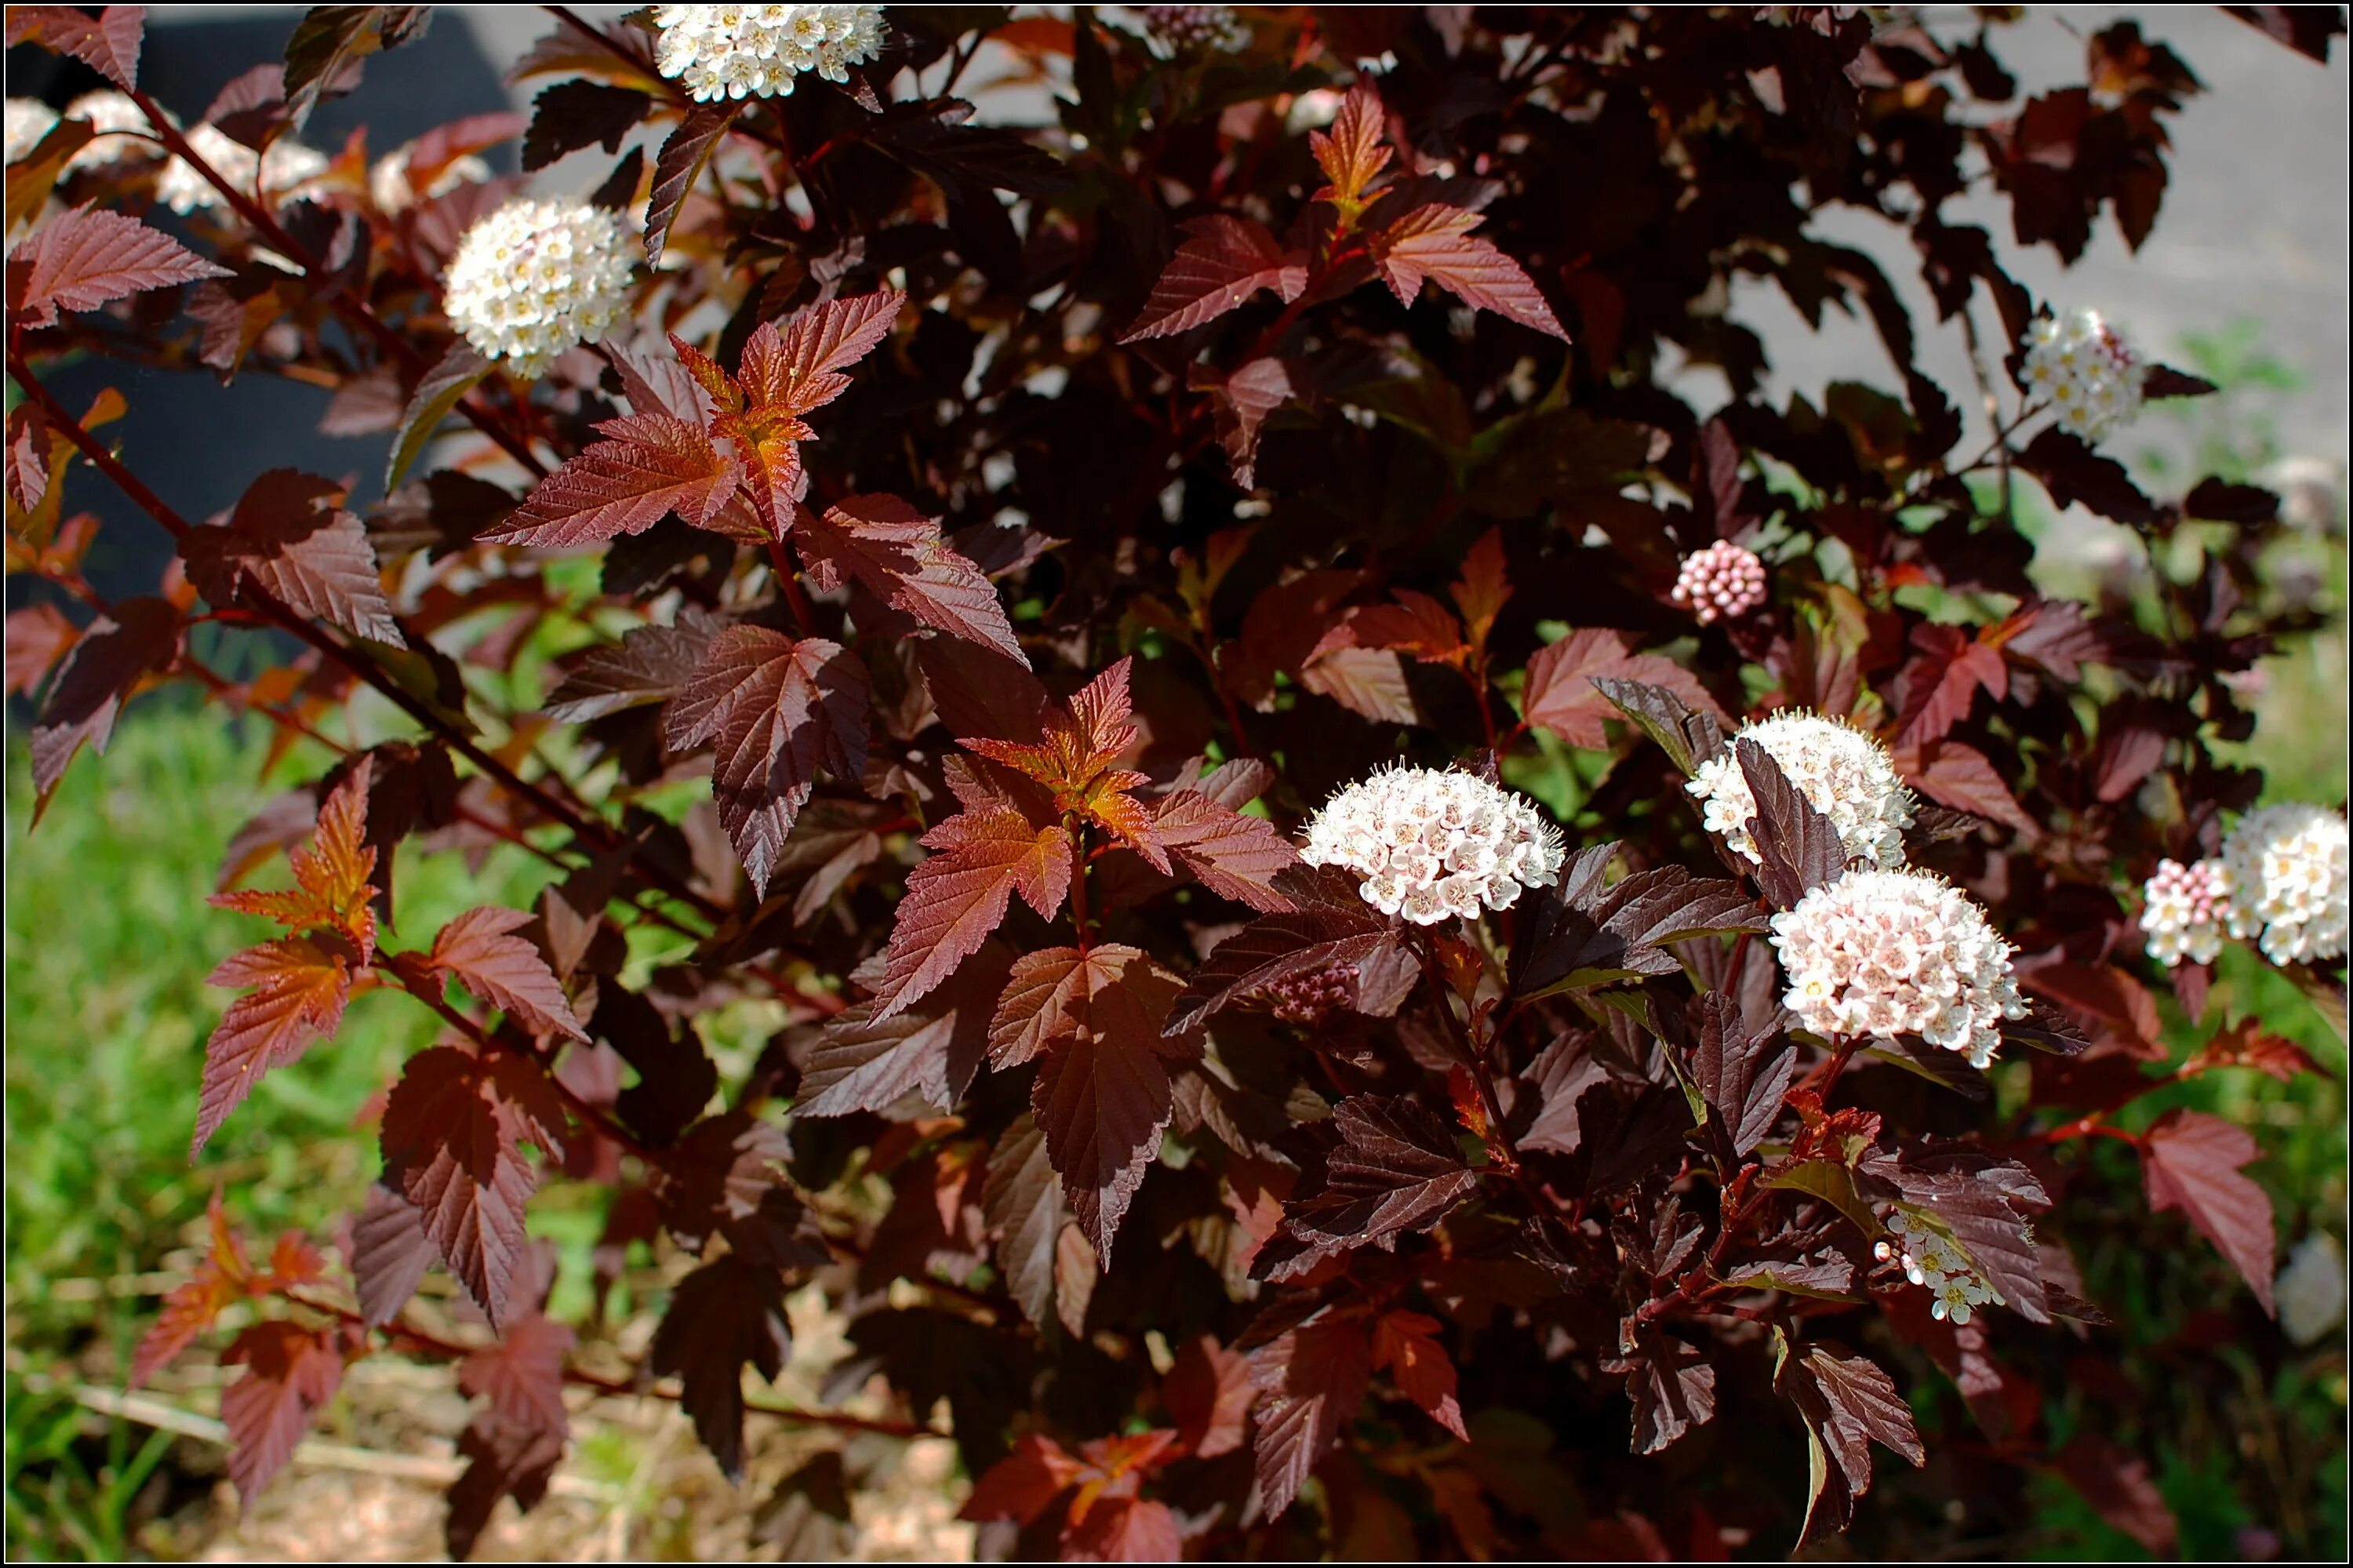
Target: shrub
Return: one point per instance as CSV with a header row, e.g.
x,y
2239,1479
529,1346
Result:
x,y
1027,534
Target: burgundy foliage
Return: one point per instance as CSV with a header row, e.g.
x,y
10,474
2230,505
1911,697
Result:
x,y
1024,530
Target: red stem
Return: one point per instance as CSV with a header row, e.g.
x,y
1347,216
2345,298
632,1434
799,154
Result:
x,y
414,1338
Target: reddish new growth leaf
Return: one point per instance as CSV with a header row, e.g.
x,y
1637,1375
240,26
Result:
x,y
480,950
81,259
656,461
2192,1161
958,896
1407,1343
1104,1520
2246,1045
896,554
1435,242
777,711
196,1303
290,1371
1354,153
331,872
1226,262
1073,759
298,994
453,1132
1101,1095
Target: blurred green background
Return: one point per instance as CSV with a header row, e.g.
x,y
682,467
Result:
x,y
108,941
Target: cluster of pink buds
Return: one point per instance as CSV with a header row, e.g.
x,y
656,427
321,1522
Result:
x,y
1309,1000
1720,582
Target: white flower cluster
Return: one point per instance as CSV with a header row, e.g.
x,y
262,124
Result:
x,y
2183,908
2310,1290
1203,29
536,278
2091,376
29,119
282,171
388,185
1432,843
1930,1259
1844,773
2285,867
1720,582
755,51
1881,953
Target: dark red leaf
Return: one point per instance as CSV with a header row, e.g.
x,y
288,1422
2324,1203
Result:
x,y
522,1375
1209,1392
1397,1170
1848,1403
109,42
1352,155
799,369
83,258
931,1052
648,466
481,951
1799,848
389,1254
1023,1202
290,539
1101,1095
650,664
776,712
137,635
2118,1486
1226,262
1124,1530
1672,1387
2192,1161
1233,855
1407,1343
1311,1383
680,163
722,1317
576,114
957,896
323,56
1942,681
897,553
1330,925
1561,694
1740,1075
1962,777
501,1460
1023,1484
452,1135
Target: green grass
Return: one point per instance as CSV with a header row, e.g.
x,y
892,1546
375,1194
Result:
x,y
109,942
